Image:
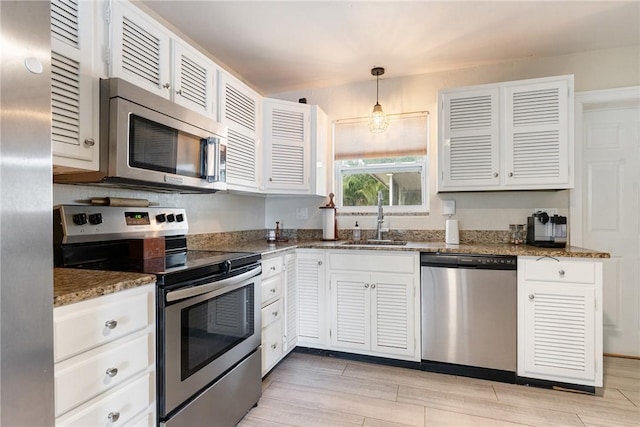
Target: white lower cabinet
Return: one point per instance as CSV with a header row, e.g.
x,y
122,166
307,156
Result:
x,y
560,320
279,308
312,296
375,304
105,360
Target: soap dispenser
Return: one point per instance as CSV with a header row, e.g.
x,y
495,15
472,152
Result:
x,y
356,232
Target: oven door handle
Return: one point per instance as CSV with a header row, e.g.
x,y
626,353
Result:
x,y
232,283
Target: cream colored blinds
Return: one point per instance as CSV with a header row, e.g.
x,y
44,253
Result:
x,y
407,135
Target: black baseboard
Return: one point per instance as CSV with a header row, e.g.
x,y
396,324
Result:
x,y
555,385
469,371
359,357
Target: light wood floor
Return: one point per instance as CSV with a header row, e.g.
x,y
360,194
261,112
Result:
x,y
307,390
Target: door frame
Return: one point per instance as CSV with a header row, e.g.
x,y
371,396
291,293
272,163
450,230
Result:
x,y
618,97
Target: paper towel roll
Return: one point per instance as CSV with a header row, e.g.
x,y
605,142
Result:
x,y
451,235
329,224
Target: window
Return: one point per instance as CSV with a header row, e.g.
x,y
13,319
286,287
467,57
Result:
x,y
394,162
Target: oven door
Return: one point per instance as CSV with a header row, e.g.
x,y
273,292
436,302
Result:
x,y
146,145
205,330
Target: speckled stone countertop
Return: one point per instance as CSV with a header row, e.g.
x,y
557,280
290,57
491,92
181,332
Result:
x,y
472,248
72,285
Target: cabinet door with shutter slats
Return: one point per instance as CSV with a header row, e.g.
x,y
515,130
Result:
x,y
536,134
351,306
194,78
74,118
469,140
312,315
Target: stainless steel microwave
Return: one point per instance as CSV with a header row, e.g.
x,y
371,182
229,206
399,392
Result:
x,y
148,142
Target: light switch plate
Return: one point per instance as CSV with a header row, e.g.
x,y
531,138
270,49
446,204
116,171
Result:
x,y
302,213
448,207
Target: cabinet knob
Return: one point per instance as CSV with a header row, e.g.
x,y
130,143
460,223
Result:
x,y
89,142
319,262
275,313
495,174
179,91
273,268
166,85
531,297
510,174
113,416
366,285
270,179
373,286
111,372
111,324
272,290
561,273
274,346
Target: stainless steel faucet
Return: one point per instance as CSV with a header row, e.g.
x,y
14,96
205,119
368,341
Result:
x,y
380,216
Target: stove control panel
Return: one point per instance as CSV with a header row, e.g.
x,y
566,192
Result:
x,y
82,223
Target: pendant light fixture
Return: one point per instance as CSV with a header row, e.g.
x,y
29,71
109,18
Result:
x,y
378,121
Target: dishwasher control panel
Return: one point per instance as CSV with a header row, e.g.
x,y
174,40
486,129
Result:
x,y
492,262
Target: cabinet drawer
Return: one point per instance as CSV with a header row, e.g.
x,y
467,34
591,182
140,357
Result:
x,y
87,375
85,325
271,313
271,345
271,267
550,270
374,261
123,403
271,289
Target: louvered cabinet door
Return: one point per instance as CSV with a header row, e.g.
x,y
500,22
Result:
x,y
468,143
537,129
239,109
351,311
193,79
393,311
312,315
140,50
291,302
287,142
559,332
74,121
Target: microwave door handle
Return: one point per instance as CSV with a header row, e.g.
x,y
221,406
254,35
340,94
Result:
x,y
209,154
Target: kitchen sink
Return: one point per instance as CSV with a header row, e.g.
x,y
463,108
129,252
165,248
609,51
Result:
x,y
375,242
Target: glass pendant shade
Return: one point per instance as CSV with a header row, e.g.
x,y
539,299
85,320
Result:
x,y
378,120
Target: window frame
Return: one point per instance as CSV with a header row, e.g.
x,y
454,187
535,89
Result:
x,y
422,166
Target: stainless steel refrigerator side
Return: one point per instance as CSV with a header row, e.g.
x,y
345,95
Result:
x,y
26,261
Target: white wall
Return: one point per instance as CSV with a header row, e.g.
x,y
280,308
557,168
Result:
x,y
479,211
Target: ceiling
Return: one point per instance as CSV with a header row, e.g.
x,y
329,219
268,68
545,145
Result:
x,y
293,45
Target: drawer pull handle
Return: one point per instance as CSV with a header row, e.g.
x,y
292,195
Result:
x,y
112,372
274,346
531,297
113,416
111,324
561,273
275,313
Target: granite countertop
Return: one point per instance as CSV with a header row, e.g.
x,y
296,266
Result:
x,y
72,285
478,248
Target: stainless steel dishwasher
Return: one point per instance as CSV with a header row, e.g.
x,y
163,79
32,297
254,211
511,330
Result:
x,y
468,305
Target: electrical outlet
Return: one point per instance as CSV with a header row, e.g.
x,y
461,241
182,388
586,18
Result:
x,y
448,207
302,213
549,211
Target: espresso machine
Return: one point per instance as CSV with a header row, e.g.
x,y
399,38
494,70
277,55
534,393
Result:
x,y
547,231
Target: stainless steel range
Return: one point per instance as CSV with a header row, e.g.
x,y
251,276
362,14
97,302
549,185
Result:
x,y
208,306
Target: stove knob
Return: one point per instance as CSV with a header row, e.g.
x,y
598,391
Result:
x,y
171,217
161,217
80,219
95,219
179,218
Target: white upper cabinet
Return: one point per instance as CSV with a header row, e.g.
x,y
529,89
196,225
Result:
x,y
239,110
470,139
287,136
147,54
507,136
74,86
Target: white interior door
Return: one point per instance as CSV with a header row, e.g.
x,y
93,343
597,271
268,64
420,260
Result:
x,y
606,210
